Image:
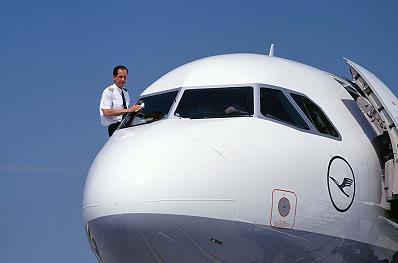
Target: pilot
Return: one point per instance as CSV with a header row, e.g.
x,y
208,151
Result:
x,y
236,110
232,110
237,106
115,101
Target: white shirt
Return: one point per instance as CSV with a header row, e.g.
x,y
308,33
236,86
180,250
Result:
x,y
112,99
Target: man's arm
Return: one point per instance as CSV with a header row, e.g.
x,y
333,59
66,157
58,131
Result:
x,y
118,112
232,109
106,105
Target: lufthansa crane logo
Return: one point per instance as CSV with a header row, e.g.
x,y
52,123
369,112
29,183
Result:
x,y
341,183
346,182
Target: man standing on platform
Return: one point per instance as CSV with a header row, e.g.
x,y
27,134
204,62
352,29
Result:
x,y
115,101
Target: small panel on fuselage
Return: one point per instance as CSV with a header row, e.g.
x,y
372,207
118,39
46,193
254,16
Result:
x,y
283,212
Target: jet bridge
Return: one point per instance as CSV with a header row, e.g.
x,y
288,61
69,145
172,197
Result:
x,y
381,108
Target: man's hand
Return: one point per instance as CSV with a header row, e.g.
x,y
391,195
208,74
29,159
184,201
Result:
x,y
230,110
118,112
134,108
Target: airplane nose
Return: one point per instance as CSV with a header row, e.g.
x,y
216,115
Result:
x,y
147,190
144,171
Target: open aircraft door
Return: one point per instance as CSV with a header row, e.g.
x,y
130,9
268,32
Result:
x,y
383,113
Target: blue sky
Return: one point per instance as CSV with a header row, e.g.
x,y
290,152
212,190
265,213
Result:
x,y
56,57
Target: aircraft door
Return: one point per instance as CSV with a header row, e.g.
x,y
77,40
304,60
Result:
x,y
385,103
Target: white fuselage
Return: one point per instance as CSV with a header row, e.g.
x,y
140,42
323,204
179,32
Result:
x,y
237,171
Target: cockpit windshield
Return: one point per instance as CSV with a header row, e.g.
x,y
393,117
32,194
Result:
x,y
156,108
216,103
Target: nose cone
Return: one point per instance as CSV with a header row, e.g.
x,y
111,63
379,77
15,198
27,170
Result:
x,y
158,168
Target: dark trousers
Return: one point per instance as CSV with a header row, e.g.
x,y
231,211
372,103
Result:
x,y
112,128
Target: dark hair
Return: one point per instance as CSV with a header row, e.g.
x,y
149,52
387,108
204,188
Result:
x,y
117,68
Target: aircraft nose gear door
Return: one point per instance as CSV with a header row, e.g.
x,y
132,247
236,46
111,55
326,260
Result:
x,y
384,110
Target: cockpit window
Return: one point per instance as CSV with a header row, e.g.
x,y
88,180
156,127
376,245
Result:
x,y
275,105
216,103
315,115
156,108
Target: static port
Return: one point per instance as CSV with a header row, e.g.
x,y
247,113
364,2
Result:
x,y
218,242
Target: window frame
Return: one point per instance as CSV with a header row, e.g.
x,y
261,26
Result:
x,y
183,89
256,104
173,105
287,93
292,103
339,138
150,95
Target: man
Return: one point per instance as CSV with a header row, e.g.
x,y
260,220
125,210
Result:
x,y
115,101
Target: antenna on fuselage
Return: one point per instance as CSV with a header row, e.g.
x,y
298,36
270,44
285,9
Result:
x,y
271,50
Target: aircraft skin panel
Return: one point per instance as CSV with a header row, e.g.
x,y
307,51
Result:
x,y
267,190
175,238
217,164
247,68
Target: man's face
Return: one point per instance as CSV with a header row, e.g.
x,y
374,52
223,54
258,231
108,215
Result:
x,y
121,78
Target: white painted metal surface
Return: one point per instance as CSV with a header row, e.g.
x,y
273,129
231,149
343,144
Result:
x,y
230,168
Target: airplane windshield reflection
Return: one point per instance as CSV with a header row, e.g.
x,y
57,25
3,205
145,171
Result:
x,y
216,103
156,108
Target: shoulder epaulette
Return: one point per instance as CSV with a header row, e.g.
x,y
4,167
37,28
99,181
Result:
x,y
110,89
